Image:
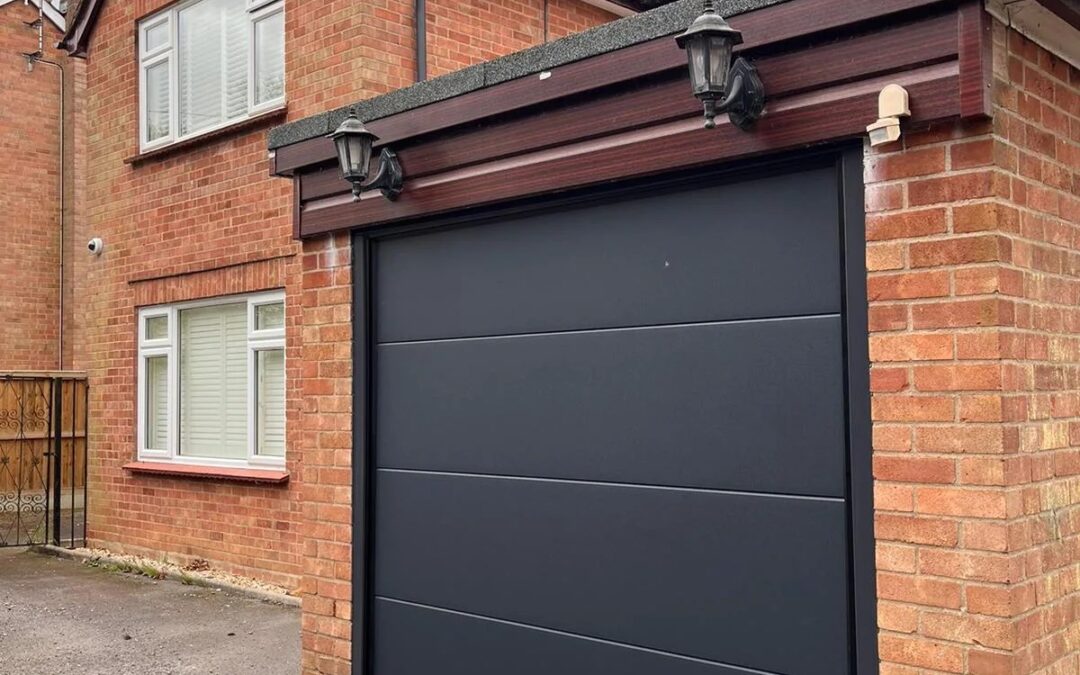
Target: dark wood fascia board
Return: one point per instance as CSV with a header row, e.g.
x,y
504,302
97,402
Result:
x,y
76,40
1067,10
802,120
665,98
766,28
976,60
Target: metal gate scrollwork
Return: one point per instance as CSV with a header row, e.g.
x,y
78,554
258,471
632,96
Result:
x,y
42,460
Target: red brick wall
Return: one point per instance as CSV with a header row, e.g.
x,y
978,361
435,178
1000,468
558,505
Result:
x,y
340,52
974,283
461,33
205,221
566,17
29,201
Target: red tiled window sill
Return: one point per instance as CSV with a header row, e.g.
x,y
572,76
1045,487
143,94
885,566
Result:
x,y
208,472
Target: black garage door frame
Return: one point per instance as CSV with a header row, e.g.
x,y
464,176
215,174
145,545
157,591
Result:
x,y
848,163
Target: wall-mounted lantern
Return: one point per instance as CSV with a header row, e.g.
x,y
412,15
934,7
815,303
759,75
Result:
x,y
722,86
354,146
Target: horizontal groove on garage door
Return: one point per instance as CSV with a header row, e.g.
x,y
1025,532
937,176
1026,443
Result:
x,y
718,577
640,486
416,639
662,259
754,406
658,326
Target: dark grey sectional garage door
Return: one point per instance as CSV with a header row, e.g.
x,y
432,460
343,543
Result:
x,y
612,439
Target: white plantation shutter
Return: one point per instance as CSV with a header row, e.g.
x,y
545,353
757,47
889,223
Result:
x,y
214,37
157,403
270,402
213,381
237,52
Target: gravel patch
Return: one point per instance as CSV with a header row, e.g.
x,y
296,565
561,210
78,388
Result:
x,y
198,573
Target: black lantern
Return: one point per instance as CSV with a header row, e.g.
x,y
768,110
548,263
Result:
x,y
722,86
354,145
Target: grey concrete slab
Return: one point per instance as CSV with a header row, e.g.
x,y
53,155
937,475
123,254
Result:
x,y
60,616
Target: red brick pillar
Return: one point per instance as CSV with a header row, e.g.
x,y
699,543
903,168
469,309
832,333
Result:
x,y
325,446
974,284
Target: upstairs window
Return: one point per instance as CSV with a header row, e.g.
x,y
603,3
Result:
x,y
205,64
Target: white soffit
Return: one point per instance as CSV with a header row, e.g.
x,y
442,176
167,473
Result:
x,y
1040,25
614,8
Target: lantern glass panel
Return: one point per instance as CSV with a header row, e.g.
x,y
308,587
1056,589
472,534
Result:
x,y
360,154
699,70
720,49
343,155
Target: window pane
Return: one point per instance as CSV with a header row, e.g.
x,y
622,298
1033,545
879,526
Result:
x,y
270,317
157,403
157,328
270,402
213,381
156,37
157,101
270,58
213,56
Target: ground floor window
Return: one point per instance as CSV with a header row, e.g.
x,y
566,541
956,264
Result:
x,y
212,381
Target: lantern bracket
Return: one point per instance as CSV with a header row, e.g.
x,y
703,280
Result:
x,y
745,100
388,180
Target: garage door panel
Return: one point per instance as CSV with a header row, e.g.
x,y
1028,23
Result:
x,y
412,640
754,406
758,248
713,575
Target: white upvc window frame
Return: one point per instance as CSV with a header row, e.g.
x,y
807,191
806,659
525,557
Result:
x,y
260,10
257,340
148,59
257,10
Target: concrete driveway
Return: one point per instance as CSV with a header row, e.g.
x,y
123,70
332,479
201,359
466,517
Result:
x,y
60,616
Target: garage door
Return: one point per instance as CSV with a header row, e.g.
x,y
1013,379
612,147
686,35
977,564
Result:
x,y
612,438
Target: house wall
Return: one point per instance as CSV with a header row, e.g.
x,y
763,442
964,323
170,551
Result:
x,y
29,203
207,220
974,287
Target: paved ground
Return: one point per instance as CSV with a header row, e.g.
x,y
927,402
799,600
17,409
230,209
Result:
x,y
60,616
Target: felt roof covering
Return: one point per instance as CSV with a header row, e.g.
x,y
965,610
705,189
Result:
x,y
667,19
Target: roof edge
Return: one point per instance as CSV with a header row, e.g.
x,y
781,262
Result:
x,y
1051,24
655,23
80,27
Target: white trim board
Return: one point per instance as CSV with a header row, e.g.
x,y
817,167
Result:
x,y
1040,25
612,7
51,12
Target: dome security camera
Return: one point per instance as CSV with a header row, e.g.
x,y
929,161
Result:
x,y
95,246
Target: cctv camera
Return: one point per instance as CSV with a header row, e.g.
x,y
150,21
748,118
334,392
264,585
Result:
x,y
96,246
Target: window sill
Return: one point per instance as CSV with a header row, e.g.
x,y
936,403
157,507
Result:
x,y
247,124
208,472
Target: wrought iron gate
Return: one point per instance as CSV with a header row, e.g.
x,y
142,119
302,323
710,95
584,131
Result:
x,y
43,452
